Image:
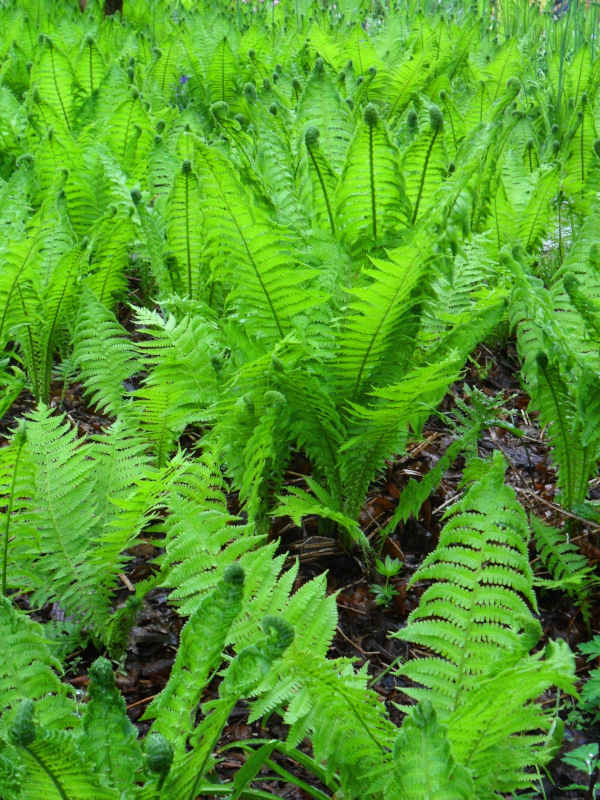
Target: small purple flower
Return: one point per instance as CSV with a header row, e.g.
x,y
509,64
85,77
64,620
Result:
x,y
184,79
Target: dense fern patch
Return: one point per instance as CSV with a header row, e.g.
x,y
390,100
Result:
x,y
257,235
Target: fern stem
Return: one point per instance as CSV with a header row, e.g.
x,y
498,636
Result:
x,y
48,771
581,151
60,100
560,237
256,271
188,251
295,781
223,73
423,176
34,377
372,182
199,774
91,64
11,499
323,187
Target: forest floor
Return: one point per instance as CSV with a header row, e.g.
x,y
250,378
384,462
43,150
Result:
x,y
364,627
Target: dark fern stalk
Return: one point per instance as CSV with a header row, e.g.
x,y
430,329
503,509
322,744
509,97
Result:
x,y
311,138
371,118
34,377
437,123
90,43
186,169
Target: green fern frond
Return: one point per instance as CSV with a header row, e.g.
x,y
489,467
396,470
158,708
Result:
x,y
371,204
19,260
65,516
251,254
496,732
381,430
479,607
202,640
53,77
29,669
424,767
17,529
181,380
221,74
185,231
568,567
375,321
110,245
90,66
320,106
104,355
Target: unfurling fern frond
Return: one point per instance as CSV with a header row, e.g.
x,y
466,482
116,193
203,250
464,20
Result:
x,y
53,762
202,640
424,163
108,738
323,179
423,740
371,205
185,231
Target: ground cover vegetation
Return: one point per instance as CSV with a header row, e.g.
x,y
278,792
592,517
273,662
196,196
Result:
x,y
264,241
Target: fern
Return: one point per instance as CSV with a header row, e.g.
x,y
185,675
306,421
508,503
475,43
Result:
x,y
252,255
476,619
423,742
567,566
181,380
424,163
375,321
370,200
31,670
185,232
108,739
208,627
104,355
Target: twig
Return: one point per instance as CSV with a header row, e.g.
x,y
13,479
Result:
x,y
562,511
142,701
